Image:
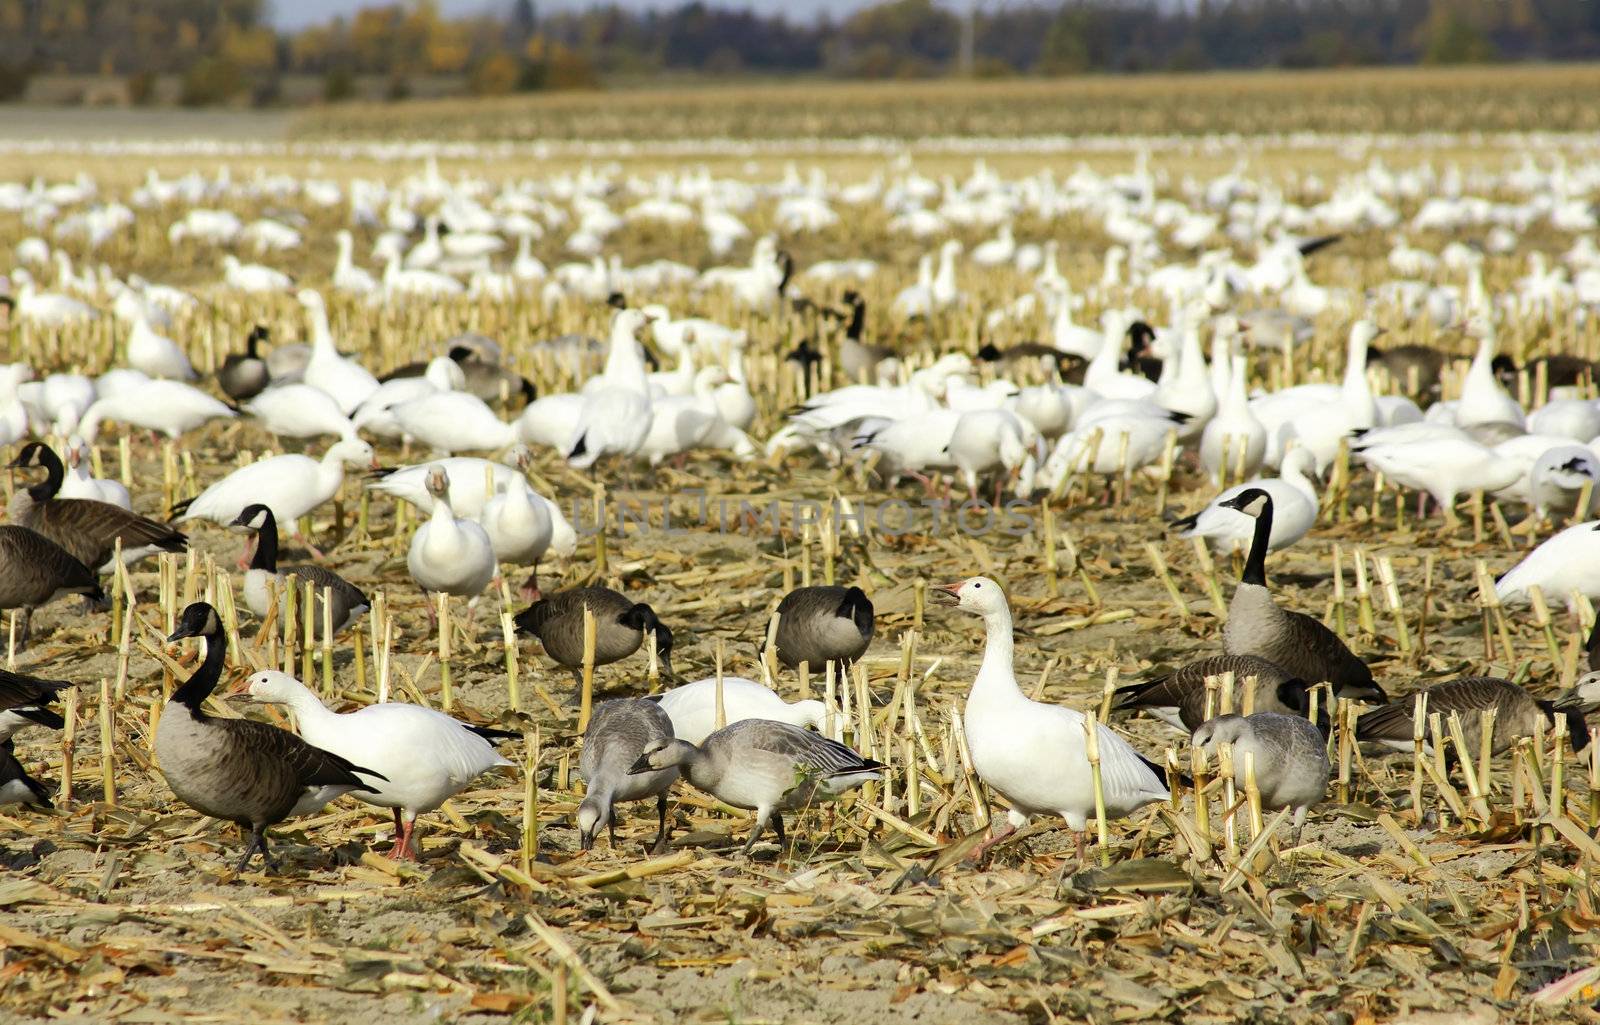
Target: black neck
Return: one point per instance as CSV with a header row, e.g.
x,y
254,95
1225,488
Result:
x,y
1593,647
199,686
251,343
1255,567
54,472
266,556
858,318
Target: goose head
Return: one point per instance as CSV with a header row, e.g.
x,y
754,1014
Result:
x,y
978,595
1584,696
310,298
355,452
35,453
198,620
663,754
644,619
1224,729
438,482
272,687
593,815
253,518
1253,502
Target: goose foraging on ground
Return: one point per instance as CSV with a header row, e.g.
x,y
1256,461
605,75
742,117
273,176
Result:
x,y
348,602
618,733
80,484
818,625
1563,566
693,707
1287,754
425,757
170,407
619,627
88,529
239,770
35,570
1179,698
16,786
25,701
1036,754
1517,714
766,766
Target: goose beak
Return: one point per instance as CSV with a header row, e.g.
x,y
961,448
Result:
x,y
1568,702
585,841
180,633
946,594
639,766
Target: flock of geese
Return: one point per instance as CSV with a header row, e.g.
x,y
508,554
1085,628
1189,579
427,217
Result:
x,y
1005,415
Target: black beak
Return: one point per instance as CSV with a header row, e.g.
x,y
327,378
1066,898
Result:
x,y
181,632
642,764
585,841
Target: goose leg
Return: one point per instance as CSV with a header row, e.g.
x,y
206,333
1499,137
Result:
x,y
982,849
660,846
398,851
258,842
529,590
777,827
762,815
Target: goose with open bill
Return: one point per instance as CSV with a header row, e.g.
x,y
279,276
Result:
x,y
348,602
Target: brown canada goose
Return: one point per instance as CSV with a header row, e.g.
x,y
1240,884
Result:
x,y
1301,645
818,625
1517,714
1561,370
35,570
1289,757
348,601
619,627
857,358
244,376
25,701
16,786
240,770
618,733
485,378
1179,698
87,529
1412,367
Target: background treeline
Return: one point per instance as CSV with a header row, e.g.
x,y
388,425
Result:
x,y
210,51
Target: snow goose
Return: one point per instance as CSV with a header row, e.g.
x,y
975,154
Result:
x,y
1070,337
347,381
1320,426
48,309
1294,508
290,485
991,439
449,555
1443,468
243,376
520,528
766,766
1234,440
239,770
1557,479
1179,698
822,624
35,570
1035,754
473,481
1286,754
615,416
253,277
1578,419
421,757
155,354
1105,445
918,443
1517,714
452,421
1187,388
16,786
263,578
1103,375
680,423
347,277
170,407
1483,400
1563,567
25,701
616,738
619,627
299,411
1293,640
87,529
80,484
693,707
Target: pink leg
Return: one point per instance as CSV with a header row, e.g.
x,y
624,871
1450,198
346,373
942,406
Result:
x,y
398,851
994,838
530,587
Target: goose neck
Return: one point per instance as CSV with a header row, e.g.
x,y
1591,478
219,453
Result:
x,y
199,686
1255,567
266,554
996,674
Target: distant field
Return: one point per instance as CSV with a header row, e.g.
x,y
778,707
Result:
x,y
1398,100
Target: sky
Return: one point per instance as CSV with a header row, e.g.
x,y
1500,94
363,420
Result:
x,y
297,13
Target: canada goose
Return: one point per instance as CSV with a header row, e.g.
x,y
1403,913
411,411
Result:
x,y
823,624
86,528
425,756
35,570
25,701
1562,370
348,601
16,786
1584,695
1517,714
1287,754
1179,698
858,359
1033,753
619,732
768,767
239,770
1300,644
619,627
693,707
1415,368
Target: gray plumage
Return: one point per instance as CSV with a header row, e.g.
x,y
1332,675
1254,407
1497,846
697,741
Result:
x,y
1301,645
87,529
619,626
618,733
1290,757
818,625
767,766
245,772
858,359
1583,698
25,701
1517,714
16,786
35,570
244,375
348,601
1179,698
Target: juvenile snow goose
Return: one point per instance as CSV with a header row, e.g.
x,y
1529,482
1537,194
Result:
x,y
16,786
87,529
818,625
1036,754
619,627
1517,714
619,732
1300,644
348,602
1179,698
425,757
1288,755
239,770
35,570
766,766
693,707
25,701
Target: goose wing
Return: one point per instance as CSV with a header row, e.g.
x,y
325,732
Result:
x,y
312,766
96,526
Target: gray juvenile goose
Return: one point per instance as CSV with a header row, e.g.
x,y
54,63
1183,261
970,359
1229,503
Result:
x,y
770,767
1517,714
618,733
246,772
619,627
87,529
1290,757
818,625
16,786
35,570
25,701
1300,644
348,601
1179,698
